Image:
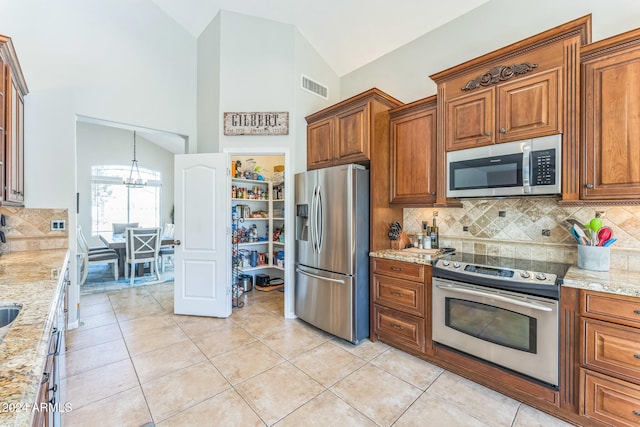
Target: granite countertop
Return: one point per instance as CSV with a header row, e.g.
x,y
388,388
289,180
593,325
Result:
x,y
416,256
31,278
620,282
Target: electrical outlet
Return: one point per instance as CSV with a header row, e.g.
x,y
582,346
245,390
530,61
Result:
x,y
502,213
425,225
58,225
465,228
546,232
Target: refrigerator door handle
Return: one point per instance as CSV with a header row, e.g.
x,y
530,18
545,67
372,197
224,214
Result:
x,y
319,220
315,276
313,219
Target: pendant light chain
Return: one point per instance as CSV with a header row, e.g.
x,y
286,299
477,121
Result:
x,y
130,181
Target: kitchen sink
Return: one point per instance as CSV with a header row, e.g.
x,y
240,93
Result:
x,y
8,313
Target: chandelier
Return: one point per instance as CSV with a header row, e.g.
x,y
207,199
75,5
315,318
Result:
x,y
134,180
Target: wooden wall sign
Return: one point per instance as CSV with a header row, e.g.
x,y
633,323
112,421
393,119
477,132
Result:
x,y
267,123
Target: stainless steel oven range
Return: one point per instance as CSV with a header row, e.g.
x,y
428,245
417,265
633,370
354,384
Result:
x,y
506,314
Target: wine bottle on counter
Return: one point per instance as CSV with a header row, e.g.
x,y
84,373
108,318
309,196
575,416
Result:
x,y
434,235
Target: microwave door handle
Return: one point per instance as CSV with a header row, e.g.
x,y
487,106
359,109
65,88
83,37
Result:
x,y
495,296
526,158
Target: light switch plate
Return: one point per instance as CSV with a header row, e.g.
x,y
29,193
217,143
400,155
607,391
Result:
x,y
58,225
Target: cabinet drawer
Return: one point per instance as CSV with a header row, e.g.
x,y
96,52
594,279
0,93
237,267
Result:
x,y
607,399
399,269
399,294
613,308
398,328
611,347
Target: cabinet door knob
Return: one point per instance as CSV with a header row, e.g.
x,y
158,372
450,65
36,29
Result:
x,y
177,242
487,133
503,130
588,186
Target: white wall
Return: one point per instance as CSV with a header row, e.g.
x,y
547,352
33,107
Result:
x,y
103,145
209,114
310,64
404,73
117,60
256,74
259,69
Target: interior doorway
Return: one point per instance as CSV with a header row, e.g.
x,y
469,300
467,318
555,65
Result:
x,y
104,153
262,246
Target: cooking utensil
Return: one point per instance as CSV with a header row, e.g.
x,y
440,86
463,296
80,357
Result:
x,y
582,238
575,235
604,234
609,242
575,222
595,224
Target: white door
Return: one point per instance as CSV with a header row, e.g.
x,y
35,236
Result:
x,y
202,218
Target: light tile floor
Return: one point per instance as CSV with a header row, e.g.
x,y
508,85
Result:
x,y
134,363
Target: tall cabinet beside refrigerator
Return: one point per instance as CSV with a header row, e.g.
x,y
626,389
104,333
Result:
x,y
332,250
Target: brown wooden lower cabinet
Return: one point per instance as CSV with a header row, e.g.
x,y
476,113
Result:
x,y
399,329
613,349
401,305
610,358
609,400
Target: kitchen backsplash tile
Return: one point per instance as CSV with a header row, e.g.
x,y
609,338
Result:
x,y
30,229
512,227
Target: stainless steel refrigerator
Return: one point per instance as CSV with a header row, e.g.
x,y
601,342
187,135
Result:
x,y
332,250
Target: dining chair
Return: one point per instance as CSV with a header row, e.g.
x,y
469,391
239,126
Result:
x,y
97,256
94,249
121,227
166,252
142,245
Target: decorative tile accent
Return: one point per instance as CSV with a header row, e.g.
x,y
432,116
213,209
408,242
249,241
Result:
x,y
30,229
518,233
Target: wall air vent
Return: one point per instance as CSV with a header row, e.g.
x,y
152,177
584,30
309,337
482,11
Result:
x,y
315,87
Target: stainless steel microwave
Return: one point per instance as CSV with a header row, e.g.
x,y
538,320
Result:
x,y
527,167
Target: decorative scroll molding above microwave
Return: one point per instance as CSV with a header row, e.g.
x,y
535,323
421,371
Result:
x,y
498,74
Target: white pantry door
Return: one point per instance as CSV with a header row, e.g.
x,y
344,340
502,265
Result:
x,y
202,218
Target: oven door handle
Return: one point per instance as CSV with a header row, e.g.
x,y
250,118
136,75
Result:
x,y
498,297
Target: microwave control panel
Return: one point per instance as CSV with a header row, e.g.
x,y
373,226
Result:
x,y
543,167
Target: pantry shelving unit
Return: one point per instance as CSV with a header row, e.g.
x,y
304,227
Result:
x,y
258,222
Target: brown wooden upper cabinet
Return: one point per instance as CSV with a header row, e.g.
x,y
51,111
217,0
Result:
x,y
342,133
524,90
611,118
14,89
520,109
413,153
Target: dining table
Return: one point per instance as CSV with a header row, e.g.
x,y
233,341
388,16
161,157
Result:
x,y
116,241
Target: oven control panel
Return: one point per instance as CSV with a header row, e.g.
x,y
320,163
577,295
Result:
x,y
498,273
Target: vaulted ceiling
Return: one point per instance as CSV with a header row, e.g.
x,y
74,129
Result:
x,y
346,33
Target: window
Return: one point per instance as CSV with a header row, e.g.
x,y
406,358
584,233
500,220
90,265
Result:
x,y
112,201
